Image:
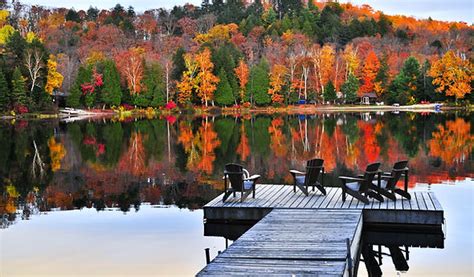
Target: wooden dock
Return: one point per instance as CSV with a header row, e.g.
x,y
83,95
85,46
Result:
x,y
301,242
422,209
304,235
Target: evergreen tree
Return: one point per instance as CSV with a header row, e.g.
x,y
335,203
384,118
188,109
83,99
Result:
x,y
258,84
407,83
350,88
84,76
18,88
223,94
179,64
72,15
154,88
427,93
111,91
382,77
74,98
329,92
4,93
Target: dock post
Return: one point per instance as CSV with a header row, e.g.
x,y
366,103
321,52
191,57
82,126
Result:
x,y
208,257
349,258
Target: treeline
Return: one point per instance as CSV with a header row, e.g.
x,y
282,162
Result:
x,y
234,53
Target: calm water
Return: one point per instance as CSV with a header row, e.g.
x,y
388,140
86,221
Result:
x,y
123,197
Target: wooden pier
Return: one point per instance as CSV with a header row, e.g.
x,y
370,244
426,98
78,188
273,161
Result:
x,y
303,241
422,209
306,235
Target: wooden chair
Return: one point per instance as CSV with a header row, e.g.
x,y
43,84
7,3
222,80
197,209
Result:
x,y
302,180
240,181
389,180
361,187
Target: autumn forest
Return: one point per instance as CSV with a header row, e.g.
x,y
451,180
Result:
x,y
227,54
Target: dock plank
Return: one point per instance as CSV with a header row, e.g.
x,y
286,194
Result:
x,y
292,241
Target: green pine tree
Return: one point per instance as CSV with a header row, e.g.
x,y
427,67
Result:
x,y
111,91
350,88
223,94
18,88
382,74
329,92
4,93
75,98
407,83
154,88
258,84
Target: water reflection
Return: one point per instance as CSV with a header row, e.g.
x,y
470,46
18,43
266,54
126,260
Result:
x,y
389,245
48,165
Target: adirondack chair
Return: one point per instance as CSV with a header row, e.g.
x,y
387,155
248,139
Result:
x,y
302,180
361,187
389,181
240,181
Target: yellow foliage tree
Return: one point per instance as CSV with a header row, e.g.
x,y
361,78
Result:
x,y
189,80
3,17
56,152
452,74
5,32
54,78
277,80
351,60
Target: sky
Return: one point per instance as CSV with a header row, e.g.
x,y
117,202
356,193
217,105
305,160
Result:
x,y
452,10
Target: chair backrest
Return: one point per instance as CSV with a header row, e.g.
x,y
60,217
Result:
x,y
235,174
398,169
370,172
313,169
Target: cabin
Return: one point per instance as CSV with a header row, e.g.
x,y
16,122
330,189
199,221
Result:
x,y
368,98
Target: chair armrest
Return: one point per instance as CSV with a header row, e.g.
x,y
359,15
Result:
x,y
347,178
297,172
246,172
252,178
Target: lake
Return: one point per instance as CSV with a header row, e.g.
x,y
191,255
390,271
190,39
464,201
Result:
x,y
124,196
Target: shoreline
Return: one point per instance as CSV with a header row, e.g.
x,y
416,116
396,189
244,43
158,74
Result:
x,y
69,115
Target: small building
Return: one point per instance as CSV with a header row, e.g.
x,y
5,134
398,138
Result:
x,y
368,98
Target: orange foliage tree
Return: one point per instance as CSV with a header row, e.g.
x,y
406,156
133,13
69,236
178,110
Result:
x,y
452,143
369,72
133,160
243,149
207,80
277,139
453,75
56,153
323,60
130,63
242,73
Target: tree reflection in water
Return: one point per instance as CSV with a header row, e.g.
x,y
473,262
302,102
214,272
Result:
x,y
50,165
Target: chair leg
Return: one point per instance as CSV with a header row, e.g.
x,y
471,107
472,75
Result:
x,y
343,195
253,190
375,195
226,195
294,187
403,193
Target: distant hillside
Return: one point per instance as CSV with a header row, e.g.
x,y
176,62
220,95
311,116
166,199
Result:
x,y
257,53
